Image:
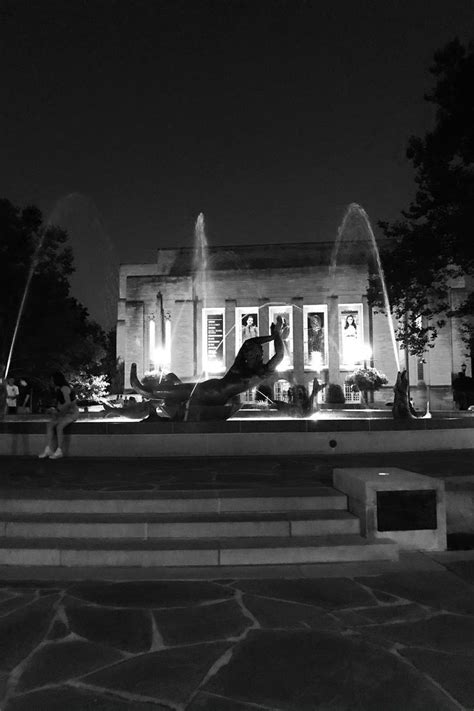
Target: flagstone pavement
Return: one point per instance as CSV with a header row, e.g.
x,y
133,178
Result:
x,y
393,641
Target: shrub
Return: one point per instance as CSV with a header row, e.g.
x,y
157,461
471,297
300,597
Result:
x,y
366,380
335,394
89,387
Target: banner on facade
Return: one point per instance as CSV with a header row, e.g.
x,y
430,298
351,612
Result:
x,y
215,342
285,315
351,335
246,325
315,324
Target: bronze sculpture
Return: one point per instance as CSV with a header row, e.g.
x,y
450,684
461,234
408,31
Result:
x,y
212,399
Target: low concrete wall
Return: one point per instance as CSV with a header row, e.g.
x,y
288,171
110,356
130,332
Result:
x,y
243,437
405,515
460,504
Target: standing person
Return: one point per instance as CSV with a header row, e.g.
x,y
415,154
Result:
x,y
24,397
12,396
65,412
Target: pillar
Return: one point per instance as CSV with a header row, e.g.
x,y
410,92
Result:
x,y
298,340
333,331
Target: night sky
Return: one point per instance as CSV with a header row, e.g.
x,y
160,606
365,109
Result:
x,y
123,120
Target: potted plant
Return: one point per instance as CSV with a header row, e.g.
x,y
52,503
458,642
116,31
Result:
x,y
365,380
335,394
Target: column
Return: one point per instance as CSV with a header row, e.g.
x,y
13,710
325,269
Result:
x,y
229,334
333,331
298,340
264,324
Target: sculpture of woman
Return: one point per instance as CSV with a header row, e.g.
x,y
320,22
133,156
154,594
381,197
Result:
x,y
247,371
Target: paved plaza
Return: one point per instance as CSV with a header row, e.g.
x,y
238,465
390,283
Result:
x,y
376,635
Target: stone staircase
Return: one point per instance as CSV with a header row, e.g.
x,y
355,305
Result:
x,y
225,527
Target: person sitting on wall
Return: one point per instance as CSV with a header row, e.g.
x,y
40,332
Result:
x,y
246,372
65,412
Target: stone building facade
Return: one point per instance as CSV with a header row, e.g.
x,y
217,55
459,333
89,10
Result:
x,y
192,320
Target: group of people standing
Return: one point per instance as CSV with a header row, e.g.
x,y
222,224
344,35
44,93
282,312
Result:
x,y
16,396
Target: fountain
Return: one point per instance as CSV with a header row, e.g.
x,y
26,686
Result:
x,y
402,406
207,412
199,278
164,396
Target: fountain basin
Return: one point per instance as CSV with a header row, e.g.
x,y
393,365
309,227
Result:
x,y
244,436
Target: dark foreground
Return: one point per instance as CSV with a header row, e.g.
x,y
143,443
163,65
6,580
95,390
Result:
x,y
394,640
388,636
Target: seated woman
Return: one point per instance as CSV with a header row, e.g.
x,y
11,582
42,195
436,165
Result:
x,y
65,412
247,371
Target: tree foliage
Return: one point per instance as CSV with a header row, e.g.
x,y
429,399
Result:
x,y
55,332
89,387
432,247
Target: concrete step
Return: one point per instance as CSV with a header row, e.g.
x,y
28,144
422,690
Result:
x,y
194,552
266,499
150,526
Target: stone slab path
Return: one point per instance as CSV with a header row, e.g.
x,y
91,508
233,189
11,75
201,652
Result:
x,y
391,641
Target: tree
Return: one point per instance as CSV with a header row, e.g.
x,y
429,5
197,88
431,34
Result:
x,y
55,332
432,246
110,365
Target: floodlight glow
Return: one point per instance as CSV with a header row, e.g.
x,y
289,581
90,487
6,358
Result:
x,y
367,352
213,365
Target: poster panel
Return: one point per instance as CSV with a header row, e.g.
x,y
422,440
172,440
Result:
x,y
315,337
246,324
285,313
351,335
213,340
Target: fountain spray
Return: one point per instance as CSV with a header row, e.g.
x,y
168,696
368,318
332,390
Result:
x,y
34,264
354,208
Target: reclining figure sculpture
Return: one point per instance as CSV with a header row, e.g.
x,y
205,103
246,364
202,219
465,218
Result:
x,y
209,399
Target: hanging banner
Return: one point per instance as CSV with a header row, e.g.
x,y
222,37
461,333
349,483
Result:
x,y
351,334
215,342
285,314
315,337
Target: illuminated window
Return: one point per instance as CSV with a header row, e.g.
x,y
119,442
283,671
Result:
x,y
281,388
351,395
249,395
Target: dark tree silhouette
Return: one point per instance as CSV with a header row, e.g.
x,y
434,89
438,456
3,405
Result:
x,y
432,248
55,332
